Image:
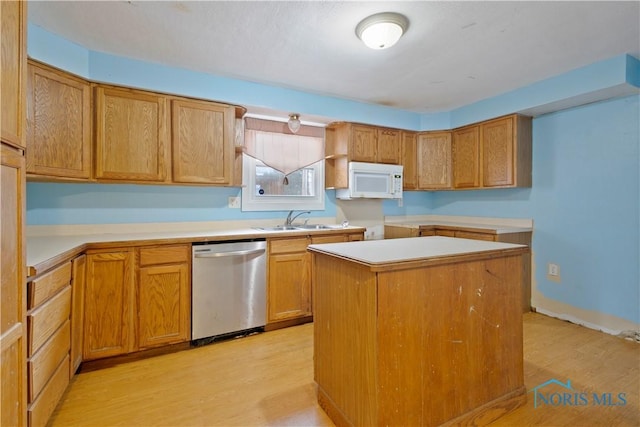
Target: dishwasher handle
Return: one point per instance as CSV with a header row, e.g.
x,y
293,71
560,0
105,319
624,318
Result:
x,y
228,254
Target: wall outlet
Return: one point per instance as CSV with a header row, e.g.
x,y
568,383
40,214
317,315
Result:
x,y
553,272
234,202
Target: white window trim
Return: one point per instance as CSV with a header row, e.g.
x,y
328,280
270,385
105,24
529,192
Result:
x,y
251,202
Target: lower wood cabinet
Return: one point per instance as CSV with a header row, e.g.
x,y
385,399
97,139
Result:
x,y
289,274
78,274
398,232
49,300
131,306
164,295
109,304
522,238
289,281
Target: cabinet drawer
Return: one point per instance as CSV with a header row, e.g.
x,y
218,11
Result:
x,y
42,288
165,255
288,245
44,363
40,410
335,238
475,236
44,320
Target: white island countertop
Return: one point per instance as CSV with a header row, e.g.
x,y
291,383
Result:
x,y
391,251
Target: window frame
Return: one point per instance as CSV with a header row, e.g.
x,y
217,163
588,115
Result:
x,y
253,203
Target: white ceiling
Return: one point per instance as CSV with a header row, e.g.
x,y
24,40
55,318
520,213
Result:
x,y
453,54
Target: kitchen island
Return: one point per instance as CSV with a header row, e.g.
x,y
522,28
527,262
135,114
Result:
x,y
418,331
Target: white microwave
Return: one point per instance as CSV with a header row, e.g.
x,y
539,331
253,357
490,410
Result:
x,y
372,181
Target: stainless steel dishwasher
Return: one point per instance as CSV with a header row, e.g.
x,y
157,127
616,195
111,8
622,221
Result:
x,y
228,293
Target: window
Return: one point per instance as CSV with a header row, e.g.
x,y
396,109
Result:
x,y
266,189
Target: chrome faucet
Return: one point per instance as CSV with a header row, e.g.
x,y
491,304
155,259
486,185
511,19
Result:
x,y
290,219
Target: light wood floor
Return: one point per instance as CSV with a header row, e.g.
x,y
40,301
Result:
x,y
267,380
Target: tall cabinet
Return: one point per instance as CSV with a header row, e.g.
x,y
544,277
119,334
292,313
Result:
x,y
13,354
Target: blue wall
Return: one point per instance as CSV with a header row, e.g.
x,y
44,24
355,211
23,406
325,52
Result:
x,y
58,203
585,203
584,199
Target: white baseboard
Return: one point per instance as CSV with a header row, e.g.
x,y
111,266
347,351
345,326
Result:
x,y
635,335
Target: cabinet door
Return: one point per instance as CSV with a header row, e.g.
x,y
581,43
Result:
x,y
475,235
58,124
389,146
397,232
13,17
79,268
289,286
108,305
202,142
13,375
164,303
497,153
434,160
362,144
409,161
131,135
330,238
466,157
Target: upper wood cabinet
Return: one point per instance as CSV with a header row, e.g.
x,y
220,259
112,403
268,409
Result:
x,y
13,17
389,146
466,157
434,160
202,142
351,142
336,163
495,153
506,152
409,160
363,144
58,123
132,142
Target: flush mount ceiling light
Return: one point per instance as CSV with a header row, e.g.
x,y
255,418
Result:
x,y
382,30
294,122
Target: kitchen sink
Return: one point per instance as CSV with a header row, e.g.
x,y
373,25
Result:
x,y
278,228
312,227
298,227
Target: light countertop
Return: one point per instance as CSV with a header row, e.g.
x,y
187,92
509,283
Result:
x,y
43,250
496,225
376,252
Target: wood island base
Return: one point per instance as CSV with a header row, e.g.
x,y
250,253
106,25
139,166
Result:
x,y
436,341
